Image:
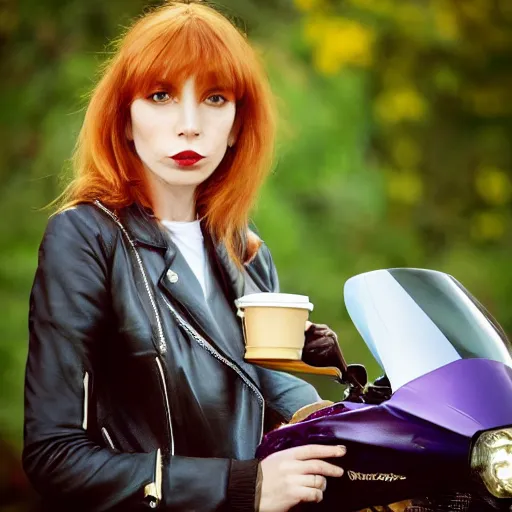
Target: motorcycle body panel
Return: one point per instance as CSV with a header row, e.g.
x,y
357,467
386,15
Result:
x,y
412,445
450,367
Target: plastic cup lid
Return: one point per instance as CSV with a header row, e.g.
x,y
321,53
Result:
x,y
279,300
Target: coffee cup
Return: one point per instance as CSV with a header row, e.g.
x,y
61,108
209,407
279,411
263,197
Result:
x,y
274,325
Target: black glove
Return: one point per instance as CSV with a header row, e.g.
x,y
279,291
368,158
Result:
x,y
322,349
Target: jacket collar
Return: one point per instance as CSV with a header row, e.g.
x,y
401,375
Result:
x,y
143,227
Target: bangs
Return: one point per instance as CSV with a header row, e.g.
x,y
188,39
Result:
x,y
174,50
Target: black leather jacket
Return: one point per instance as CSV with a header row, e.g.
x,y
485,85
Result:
x,y
131,400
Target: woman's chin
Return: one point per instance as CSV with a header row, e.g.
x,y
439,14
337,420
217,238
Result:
x,y
187,176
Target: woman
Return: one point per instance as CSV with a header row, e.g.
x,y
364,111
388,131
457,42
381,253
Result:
x,y
137,393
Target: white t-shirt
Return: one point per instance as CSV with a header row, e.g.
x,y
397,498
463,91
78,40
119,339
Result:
x,y
189,239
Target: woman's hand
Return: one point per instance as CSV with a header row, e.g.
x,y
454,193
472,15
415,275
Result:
x,y
297,475
321,347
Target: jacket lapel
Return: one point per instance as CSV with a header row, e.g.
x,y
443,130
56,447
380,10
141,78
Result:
x,y
180,285
142,226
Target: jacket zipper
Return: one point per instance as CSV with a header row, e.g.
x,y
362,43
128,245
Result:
x,y
153,491
86,401
207,346
162,344
167,405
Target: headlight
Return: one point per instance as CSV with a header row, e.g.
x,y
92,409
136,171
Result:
x,y
492,459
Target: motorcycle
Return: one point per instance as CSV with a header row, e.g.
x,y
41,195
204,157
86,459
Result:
x,y
435,431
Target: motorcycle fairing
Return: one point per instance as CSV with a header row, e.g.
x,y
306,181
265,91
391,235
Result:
x,y
424,433
466,396
415,321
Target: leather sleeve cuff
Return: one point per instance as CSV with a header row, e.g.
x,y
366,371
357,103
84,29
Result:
x,y
242,485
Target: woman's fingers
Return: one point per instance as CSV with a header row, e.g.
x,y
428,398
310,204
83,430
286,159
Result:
x,y
297,475
307,494
311,463
317,451
312,481
320,467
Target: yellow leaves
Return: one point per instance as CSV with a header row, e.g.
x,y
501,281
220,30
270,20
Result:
x,y
401,104
338,42
404,187
445,19
410,17
488,226
406,152
308,5
493,185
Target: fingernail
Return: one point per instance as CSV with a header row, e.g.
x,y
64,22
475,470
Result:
x,y
342,450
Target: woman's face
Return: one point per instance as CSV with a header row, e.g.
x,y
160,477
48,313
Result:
x,y
168,123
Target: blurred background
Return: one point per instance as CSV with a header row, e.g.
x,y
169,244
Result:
x,y
394,150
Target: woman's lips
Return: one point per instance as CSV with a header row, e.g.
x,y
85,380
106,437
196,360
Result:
x,y
187,158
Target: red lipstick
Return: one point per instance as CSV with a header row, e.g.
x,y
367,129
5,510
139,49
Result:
x,y
187,158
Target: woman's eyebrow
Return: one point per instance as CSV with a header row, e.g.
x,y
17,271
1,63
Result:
x,y
163,84
217,87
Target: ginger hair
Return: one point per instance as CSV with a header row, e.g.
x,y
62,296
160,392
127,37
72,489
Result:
x,y
166,46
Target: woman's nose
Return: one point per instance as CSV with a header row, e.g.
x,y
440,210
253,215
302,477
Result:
x,y
189,123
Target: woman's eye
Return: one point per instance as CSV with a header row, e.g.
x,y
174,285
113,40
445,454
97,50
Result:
x,y
160,97
216,99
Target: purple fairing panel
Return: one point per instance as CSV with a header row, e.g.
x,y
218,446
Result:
x,y
369,428
438,413
465,396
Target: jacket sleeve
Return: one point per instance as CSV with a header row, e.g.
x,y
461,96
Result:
x,y
69,311
284,393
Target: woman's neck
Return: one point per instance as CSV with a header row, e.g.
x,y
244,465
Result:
x,y
173,202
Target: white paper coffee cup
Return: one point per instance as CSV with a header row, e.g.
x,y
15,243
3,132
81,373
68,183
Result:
x,y
274,325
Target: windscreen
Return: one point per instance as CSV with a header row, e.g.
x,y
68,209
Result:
x,y
415,321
